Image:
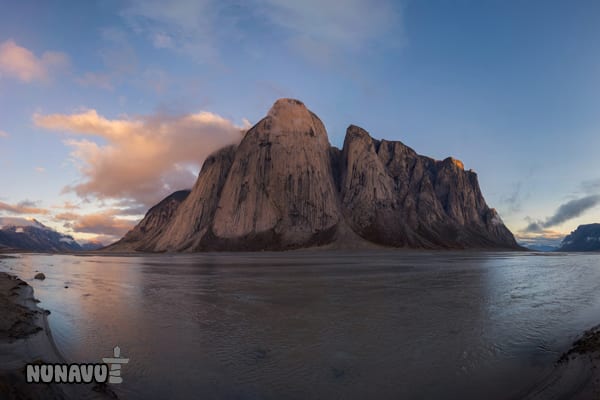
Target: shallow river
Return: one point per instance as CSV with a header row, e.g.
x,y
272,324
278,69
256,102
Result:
x,y
320,325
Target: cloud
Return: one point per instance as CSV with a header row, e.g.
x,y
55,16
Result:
x,y
162,40
319,24
20,63
3,134
188,26
565,212
23,207
143,158
104,223
118,59
316,29
545,237
66,216
591,186
514,199
40,170
67,205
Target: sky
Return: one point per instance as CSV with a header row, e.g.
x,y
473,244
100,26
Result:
x,y
108,106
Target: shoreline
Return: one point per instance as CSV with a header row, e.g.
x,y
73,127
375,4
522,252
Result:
x,y
25,337
576,374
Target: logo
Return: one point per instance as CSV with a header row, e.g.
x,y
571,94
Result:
x,y
115,365
78,373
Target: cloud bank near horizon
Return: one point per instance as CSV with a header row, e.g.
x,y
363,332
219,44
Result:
x,y
565,212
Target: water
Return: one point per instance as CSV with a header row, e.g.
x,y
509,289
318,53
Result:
x,y
327,325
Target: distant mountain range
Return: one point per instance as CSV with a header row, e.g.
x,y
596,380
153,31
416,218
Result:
x,y
584,238
285,187
20,234
540,247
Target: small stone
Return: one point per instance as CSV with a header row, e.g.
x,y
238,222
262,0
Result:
x,y
40,276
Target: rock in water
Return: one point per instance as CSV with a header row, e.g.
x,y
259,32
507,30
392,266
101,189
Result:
x,y
40,276
285,187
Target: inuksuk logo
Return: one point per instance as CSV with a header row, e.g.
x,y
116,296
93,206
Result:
x,y
78,373
115,365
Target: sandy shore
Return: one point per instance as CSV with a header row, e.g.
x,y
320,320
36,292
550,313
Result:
x,y
26,338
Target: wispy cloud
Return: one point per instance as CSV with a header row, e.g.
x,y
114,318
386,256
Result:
x,y
67,205
318,30
144,158
185,25
3,134
567,211
547,237
514,198
23,207
119,62
22,64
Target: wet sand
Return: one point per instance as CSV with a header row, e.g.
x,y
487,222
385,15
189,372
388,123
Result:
x,y
25,338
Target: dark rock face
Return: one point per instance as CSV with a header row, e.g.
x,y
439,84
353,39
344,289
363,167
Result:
x,y
152,224
286,187
192,222
36,237
584,238
393,196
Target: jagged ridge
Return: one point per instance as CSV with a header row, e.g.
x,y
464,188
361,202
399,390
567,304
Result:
x,y
286,187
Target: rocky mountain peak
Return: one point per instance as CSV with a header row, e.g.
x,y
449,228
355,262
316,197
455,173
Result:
x,y
285,187
290,116
453,161
284,105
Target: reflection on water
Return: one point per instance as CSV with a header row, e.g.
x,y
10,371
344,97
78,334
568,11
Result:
x,y
320,325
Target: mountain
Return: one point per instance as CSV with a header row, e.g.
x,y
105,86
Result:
x,y
540,247
584,238
153,223
285,187
91,246
19,234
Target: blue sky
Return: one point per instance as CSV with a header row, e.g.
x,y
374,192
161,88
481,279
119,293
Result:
x,y
106,106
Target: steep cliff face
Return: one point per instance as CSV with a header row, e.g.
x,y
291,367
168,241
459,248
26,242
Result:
x,y
191,224
285,187
584,238
152,225
280,191
393,196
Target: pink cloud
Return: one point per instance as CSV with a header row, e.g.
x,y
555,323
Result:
x,y
142,158
23,207
104,223
22,64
